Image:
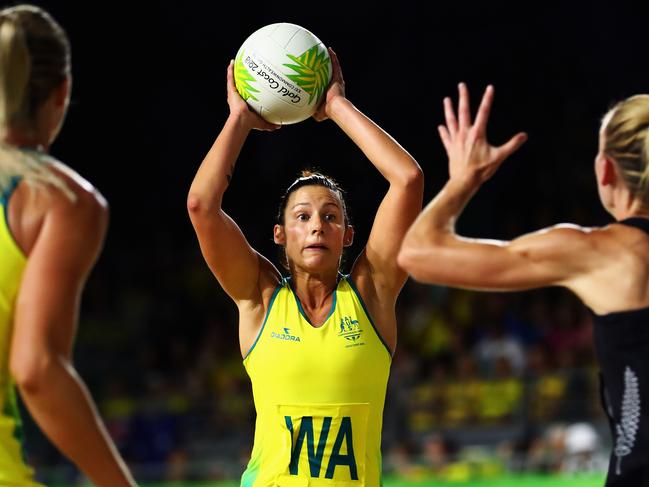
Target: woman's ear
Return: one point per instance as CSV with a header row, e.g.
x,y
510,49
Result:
x,y
608,174
278,235
61,94
348,239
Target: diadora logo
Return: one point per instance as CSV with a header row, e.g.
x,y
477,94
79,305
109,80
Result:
x,y
350,329
285,336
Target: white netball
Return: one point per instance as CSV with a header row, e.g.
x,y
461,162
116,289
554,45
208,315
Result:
x,y
282,70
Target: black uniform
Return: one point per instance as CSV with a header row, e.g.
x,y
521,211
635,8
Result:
x,y
622,347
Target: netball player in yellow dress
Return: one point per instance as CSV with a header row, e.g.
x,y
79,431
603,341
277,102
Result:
x,y
52,225
317,345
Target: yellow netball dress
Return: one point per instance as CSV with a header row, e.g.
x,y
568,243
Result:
x,y
319,395
14,471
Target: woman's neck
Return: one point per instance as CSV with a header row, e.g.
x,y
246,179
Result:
x,y
25,140
314,290
634,207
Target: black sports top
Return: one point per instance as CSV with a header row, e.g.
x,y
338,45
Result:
x,y
622,348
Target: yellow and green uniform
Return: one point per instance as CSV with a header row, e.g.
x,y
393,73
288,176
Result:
x,y
14,471
319,394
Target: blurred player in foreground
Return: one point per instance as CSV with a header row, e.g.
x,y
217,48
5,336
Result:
x,y
52,226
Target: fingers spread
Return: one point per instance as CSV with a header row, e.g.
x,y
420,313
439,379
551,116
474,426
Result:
x,y
444,135
449,114
463,111
480,125
509,147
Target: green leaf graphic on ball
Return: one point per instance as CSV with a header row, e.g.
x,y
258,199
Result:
x,y
242,79
312,68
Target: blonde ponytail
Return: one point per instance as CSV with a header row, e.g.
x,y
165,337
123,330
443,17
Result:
x,y
627,143
14,70
644,179
34,60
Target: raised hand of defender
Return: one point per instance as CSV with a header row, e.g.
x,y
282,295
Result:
x,y
470,155
238,106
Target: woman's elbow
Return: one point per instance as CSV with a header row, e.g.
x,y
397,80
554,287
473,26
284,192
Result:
x,y
197,209
407,259
31,371
413,178
420,263
200,206
194,204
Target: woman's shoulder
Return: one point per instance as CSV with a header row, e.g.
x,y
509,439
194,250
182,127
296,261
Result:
x,y
270,280
569,230
58,195
614,247
563,239
70,201
75,188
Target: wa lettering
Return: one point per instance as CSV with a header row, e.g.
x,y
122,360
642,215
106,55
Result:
x,y
315,452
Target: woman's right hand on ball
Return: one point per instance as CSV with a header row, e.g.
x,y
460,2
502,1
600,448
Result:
x,y
239,108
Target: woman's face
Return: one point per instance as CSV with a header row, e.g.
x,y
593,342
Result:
x,y
314,231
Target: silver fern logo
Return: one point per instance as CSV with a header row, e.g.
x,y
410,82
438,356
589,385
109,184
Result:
x,y
628,427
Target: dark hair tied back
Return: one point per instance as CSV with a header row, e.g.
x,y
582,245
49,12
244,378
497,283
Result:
x,y
311,178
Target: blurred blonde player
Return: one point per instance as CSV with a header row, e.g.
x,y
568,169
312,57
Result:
x,y
317,345
52,225
608,267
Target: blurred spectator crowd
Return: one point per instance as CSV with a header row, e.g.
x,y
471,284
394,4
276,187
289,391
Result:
x,y
480,383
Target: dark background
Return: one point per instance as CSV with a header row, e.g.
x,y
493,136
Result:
x,y
149,99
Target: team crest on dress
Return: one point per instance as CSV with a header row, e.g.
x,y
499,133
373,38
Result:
x,y
350,330
627,428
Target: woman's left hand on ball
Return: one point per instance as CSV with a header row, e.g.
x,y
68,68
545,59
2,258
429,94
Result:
x,y
336,89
